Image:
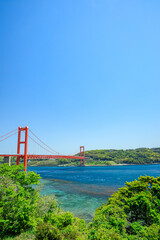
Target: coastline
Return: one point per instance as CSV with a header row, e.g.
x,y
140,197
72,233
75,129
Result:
x,y
98,165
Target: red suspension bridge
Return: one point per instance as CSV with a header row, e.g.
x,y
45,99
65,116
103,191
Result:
x,y
53,154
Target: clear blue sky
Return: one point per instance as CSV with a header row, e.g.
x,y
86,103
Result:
x,y
81,72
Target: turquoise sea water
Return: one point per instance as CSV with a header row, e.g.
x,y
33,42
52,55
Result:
x,y
83,189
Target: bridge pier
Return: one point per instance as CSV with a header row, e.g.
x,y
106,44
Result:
x,y
7,160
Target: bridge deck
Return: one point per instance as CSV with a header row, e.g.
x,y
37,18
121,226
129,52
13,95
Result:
x,y
36,156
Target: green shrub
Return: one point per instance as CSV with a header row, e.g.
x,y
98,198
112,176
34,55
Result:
x,y
102,233
21,206
18,200
67,227
133,212
47,231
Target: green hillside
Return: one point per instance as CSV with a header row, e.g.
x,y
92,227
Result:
x,y
104,157
129,156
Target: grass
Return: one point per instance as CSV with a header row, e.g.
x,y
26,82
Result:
x,y
29,235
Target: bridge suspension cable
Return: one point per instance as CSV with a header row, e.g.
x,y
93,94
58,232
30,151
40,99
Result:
x,y
75,152
8,133
43,143
39,144
7,137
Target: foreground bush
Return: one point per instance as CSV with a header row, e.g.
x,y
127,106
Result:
x,y
131,213
61,226
21,207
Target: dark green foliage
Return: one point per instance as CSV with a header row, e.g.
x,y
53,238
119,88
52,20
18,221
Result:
x,y
102,233
130,156
54,162
1,159
47,231
21,206
61,226
133,212
17,199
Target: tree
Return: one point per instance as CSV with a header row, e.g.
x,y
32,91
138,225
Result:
x,y
133,211
18,200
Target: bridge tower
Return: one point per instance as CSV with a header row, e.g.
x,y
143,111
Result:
x,y
25,142
82,153
25,155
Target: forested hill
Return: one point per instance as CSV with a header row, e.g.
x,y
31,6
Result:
x,y
129,156
103,157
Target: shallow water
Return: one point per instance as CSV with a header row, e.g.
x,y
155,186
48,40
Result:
x,y
83,189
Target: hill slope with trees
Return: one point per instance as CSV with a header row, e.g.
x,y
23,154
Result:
x,y
104,157
129,156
